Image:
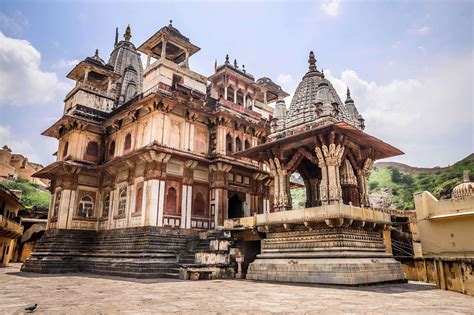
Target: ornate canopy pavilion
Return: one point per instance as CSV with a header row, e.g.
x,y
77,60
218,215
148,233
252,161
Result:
x,y
337,238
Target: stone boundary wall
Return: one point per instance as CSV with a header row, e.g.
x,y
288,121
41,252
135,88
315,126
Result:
x,y
453,274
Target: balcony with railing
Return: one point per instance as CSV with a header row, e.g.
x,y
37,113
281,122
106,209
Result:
x,y
9,228
86,94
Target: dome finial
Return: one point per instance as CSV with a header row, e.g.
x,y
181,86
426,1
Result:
x,y
128,33
465,176
116,36
171,23
348,96
312,62
227,59
243,69
96,52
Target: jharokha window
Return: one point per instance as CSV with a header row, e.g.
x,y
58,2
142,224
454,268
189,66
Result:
x,y
122,204
86,207
106,209
66,147
238,144
228,146
57,202
111,150
171,201
92,151
199,205
139,199
128,143
247,144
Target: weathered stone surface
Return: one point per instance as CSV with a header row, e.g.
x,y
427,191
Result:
x,y
90,294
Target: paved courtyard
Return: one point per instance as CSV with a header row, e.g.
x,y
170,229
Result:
x,y
83,293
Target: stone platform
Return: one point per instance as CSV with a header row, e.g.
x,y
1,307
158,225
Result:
x,y
333,244
147,252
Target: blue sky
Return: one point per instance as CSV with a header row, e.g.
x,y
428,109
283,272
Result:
x,y
409,63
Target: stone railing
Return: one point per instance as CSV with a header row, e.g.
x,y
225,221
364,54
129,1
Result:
x,y
10,226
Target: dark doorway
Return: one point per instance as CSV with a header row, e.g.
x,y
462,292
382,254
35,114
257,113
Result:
x,y
235,206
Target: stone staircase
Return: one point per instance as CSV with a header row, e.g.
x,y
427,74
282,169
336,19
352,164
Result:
x,y
212,253
148,252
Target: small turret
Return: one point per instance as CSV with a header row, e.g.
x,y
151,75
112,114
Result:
x,y
279,114
352,111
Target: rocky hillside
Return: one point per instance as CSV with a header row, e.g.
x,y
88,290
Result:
x,y
32,195
400,181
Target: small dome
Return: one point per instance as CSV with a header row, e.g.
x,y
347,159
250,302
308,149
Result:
x,y
97,58
465,189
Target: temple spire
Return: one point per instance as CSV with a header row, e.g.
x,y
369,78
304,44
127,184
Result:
x,y
116,36
312,62
128,33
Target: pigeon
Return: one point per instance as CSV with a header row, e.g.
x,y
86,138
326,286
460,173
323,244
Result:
x,y
30,308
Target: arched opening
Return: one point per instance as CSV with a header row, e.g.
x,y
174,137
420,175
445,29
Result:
x,y
298,191
86,207
199,205
247,144
92,151
240,98
171,201
111,152
122,204
235,207
65,149
230,94
238,144
228,144
128,143
106,208
139,199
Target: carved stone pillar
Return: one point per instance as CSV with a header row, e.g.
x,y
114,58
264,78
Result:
x,y
312,192
155,182
281,179
219,201
329,160
362,176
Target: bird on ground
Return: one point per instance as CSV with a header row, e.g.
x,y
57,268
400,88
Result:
x,y
30,308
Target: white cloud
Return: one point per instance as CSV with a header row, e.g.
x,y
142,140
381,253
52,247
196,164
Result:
x,y
22,82
331,7
430,118
61,64
283,79
423,30
14,25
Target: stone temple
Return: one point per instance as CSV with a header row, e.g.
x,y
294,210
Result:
x,y
162,170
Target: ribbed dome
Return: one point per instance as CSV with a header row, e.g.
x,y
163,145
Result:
x,y
315,98
465,189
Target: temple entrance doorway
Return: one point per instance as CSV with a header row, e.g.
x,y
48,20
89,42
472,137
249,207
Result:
x,y
235,207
